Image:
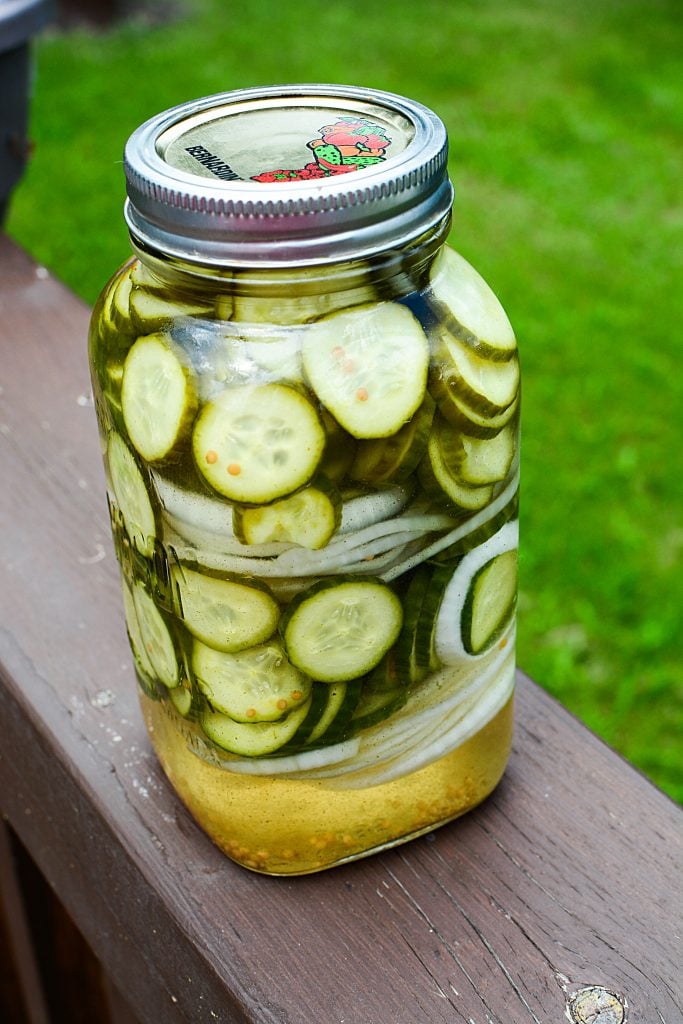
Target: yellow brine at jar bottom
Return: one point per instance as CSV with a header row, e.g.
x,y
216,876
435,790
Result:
x,y
283,826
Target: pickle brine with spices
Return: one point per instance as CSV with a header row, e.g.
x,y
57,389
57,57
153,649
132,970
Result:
x,y
309,409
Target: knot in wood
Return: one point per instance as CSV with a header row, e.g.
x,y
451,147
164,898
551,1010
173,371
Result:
x,y
595,1005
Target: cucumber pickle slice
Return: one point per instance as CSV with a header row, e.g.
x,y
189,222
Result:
x,y
469,307
257,685
487,387
337,631
156,638
131,495
157,397
257,444
368,366
252,740
490,602
308,518
479,599
226,615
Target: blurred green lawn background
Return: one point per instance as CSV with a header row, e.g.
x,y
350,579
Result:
x,y
566,124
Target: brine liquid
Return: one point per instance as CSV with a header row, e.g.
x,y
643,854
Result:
x,y
285,826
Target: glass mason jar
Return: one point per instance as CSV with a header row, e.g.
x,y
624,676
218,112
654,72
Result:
x,y
309,411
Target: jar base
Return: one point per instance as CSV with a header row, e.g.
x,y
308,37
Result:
x,y
287,827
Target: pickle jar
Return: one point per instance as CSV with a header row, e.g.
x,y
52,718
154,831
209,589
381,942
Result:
x,y
308,405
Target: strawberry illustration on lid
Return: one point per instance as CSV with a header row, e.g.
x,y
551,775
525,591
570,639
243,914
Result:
x,y
347,145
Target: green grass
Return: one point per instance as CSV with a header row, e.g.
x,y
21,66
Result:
x,y
566,121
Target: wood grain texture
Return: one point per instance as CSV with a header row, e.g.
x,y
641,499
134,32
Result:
x,y
568,876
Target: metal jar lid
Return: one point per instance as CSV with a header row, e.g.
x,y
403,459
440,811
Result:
x,y
286,175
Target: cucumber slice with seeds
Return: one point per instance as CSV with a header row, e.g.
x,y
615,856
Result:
x,y
368,366
308,518
226,615
252,739
337,631
256,685
257,444
130,493
469,308
157,397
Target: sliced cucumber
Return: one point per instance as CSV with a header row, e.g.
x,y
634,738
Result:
x,y
425,654
281,297
156,638
469,307
484,385
394,458
284,309
135,634
368,366
490,602
131,495
158,397
226,615
467,419
436,478
116,308
152,312
257,444
340,630
308,518
477,605
488,460
336,698
407,668
475,461
252,739
255,685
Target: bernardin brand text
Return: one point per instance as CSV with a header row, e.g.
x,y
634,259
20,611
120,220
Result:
x,y
213,163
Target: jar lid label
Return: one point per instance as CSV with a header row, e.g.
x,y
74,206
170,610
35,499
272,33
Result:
x,y
286,143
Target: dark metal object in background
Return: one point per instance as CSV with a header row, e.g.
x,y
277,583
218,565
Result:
x,y
20,20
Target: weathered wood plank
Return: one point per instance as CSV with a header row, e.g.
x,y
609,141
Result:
x,y
569,876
